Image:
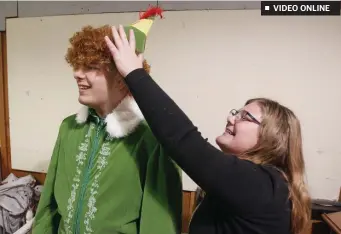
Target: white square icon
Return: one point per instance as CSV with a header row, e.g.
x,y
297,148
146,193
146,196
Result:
x,y
267,8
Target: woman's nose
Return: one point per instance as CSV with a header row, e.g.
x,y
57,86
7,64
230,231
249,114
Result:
x,y
231,119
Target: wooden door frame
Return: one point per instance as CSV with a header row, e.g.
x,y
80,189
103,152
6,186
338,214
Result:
x,y
4,114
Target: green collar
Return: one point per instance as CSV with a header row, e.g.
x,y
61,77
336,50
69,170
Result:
x,y
93,116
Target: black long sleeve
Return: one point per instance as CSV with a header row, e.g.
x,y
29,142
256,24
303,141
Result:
x,y
235,182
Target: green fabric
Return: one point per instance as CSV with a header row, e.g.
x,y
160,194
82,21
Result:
x,y
96,184
140,38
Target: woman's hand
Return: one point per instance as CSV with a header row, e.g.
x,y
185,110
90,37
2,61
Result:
x,y
123,51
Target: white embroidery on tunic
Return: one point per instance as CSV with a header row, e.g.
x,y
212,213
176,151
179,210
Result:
x,y
102,162
80,158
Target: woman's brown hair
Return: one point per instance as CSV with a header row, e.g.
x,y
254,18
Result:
x,y
280,145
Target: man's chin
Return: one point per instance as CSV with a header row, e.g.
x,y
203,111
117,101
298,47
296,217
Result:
x,y
83,101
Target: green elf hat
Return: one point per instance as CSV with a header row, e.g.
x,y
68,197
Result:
x,y
142,27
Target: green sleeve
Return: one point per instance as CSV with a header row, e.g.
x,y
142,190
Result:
x,y
162,199
47,217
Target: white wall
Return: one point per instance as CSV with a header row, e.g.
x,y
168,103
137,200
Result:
x,y
228,57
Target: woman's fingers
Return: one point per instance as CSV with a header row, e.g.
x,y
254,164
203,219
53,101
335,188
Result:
x,y
111,46
123,51
120,47
123,35
132,41
117,38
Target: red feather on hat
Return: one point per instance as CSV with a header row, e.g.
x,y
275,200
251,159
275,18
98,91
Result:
x,y
151,12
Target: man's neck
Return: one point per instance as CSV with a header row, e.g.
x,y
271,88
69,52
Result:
x,y
108,107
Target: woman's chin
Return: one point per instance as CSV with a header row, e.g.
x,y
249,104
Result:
x,y
226,144
224,138
222,141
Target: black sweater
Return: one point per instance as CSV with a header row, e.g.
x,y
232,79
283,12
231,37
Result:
x,y
241,197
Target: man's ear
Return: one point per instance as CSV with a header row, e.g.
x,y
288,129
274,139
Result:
x,y
111,73
118,81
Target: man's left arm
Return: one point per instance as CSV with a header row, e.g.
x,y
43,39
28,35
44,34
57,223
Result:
x,y
161,210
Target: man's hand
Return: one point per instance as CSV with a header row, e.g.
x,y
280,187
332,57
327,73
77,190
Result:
x,y
123,51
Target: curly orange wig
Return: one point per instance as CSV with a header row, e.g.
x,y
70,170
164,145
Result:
x,y
88,50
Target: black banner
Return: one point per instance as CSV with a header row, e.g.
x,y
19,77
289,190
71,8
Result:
x,y
300,8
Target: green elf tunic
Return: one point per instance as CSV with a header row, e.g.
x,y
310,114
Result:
x,y
110,176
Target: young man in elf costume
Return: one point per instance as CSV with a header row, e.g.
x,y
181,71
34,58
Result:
x,y
108,173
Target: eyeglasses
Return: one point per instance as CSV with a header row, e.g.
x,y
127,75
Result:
x,y
243,115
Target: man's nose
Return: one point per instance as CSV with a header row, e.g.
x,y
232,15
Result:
x,y
79,74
